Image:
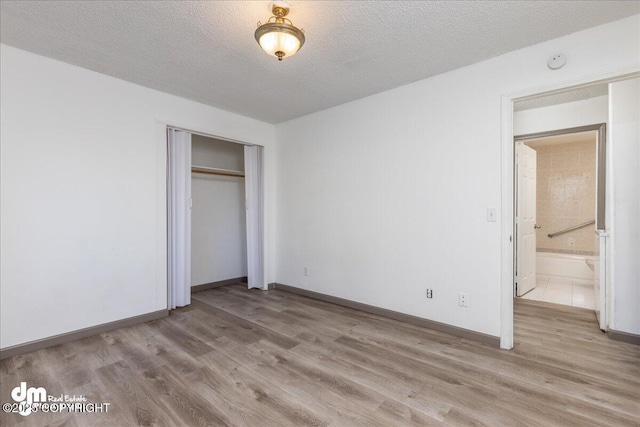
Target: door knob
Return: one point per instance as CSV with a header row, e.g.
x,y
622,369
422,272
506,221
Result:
x,y
536,226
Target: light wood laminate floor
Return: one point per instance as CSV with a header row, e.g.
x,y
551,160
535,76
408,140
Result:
x,y
255,358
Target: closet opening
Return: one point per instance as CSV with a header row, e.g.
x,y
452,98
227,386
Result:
x,y
214,213
218,223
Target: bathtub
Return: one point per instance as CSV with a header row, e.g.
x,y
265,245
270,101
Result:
x,y
578,268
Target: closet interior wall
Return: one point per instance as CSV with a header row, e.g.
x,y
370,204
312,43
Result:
x,y
218,222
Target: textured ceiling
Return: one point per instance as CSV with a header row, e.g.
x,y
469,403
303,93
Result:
x,y
205,51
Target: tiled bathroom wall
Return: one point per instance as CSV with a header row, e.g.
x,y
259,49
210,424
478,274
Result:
x,y
566,193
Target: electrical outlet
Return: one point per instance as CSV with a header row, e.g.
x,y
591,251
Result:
x,y
463,299
429,293
306,271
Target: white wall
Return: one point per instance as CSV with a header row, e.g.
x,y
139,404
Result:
x,y
218,223
625,229
81,236
562,116
386,196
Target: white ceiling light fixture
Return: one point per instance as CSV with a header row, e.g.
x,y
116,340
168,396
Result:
x,y
278,36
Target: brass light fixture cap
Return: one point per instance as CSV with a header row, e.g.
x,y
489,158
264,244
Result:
x,y
279,8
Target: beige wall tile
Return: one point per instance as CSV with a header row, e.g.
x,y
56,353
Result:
x,y
558,161
566,194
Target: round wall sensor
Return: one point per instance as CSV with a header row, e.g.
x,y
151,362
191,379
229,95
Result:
x,y
557,61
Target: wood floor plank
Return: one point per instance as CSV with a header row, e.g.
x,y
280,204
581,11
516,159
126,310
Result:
x,y
32,369
263,370
127,343
196,326
180,401
208,313
404,393
140,408
267,397
432,382
167,352
264,333
98,392
253,358
338,409
182,339
579,385
94,351
473,376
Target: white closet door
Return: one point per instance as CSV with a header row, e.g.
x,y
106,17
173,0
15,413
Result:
x,y
253,191
179,217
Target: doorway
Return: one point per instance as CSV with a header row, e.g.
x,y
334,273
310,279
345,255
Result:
x,y
560,203
619,241
234,177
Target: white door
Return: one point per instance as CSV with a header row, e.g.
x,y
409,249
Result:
x,y
255,218
525,219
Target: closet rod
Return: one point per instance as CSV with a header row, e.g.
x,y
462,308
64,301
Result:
x,y
222,172
207,168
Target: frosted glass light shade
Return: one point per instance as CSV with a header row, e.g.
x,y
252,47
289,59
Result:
x,y
273,42
279,39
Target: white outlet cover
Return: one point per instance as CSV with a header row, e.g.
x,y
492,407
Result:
x,y
463,299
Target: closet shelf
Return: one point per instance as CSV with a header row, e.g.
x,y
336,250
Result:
x,y
216,171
